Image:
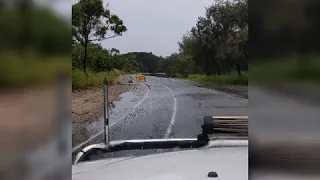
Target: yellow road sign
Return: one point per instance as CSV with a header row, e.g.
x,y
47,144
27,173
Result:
x,y
141,78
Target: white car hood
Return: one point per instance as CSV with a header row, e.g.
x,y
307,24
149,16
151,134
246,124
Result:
x,y
230,163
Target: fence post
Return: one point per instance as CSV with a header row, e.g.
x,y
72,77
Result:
x,y
106,111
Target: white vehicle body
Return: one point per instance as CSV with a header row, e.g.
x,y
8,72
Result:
x,y
227,158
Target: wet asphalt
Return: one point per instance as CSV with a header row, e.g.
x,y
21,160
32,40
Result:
x,y
183,104
174,109
165,108
279,116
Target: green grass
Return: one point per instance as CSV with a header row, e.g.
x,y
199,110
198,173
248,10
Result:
x,y
224,80
20,70
287,70
81,81
28,69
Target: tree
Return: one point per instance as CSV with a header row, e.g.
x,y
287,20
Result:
x,y
218,41
93,22
145,61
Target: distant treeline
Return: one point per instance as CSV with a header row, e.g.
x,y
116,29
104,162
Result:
x,y
100,59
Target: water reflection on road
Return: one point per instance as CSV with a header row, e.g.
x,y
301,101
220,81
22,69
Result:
x,y
119,109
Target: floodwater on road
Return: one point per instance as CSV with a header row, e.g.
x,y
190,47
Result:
x,y
119,109
163,108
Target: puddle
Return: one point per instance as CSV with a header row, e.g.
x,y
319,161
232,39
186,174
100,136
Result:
x,y
119,109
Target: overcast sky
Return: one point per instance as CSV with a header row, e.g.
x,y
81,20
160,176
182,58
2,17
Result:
x,y
63,7
153,25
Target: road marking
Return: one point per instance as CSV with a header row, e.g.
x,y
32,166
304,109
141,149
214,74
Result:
x,y
136,106
174,113
122,118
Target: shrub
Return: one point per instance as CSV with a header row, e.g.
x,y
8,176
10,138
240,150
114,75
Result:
x,y
26,69
81,81
232,79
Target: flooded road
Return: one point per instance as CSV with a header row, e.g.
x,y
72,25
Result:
x,y
118,110
164,108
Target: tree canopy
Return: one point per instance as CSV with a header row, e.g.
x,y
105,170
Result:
x,y
92,22
216,45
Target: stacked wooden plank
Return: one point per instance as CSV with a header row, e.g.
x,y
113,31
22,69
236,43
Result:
x,y
230,125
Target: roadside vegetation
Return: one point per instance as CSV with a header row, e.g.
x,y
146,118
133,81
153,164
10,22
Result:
x,y
231,80
80,80
33,48
285,55
92,63
214,51
20,70
302,70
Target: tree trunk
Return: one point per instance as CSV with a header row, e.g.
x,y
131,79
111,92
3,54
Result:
x,y
84,64
239,70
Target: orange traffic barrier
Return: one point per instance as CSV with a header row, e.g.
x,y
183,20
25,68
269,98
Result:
x,y
141,78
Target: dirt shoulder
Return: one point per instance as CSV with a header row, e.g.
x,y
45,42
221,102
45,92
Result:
x,y
27,122
87,106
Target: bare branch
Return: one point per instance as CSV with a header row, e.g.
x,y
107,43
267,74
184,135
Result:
x,y
111,36
100,39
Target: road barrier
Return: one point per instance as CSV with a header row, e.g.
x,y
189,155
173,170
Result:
x,y
141,78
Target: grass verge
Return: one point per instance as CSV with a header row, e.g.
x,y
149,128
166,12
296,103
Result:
x,y
81,81
25,69
301,70
28,69
232,80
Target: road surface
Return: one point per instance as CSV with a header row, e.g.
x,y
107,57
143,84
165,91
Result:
x,y
166,108
173,109
279,116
